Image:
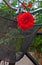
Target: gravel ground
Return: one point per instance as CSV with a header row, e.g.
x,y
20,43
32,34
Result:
x,y
23,61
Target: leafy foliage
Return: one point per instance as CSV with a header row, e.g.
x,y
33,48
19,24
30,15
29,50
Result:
x,y
37,43
14,2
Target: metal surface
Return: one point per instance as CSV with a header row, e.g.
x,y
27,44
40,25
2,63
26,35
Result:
x,y
7,49
11,63
31,34
32,59
8,53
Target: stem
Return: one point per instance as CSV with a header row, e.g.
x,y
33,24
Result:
x,y
8,4
36,11
21,3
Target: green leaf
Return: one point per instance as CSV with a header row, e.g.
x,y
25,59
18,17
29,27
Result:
x,y
14,3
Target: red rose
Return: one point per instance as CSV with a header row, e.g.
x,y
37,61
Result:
x,y
25,20
29,5
23,4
